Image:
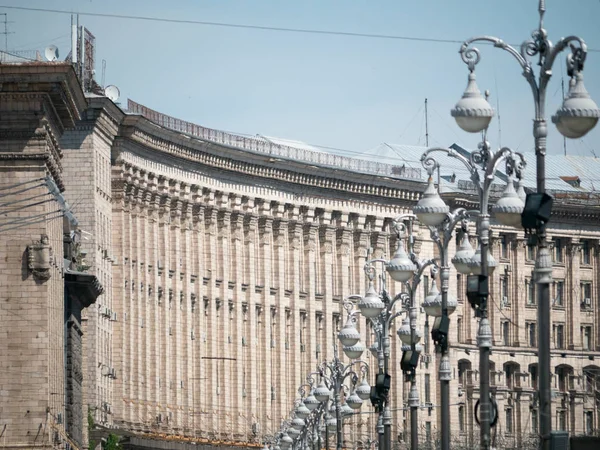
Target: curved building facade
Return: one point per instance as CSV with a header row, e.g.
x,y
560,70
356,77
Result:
x,y
225,262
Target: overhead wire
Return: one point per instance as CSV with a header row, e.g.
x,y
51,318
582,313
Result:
x,y
250,27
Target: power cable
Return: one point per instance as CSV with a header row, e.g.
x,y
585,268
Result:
x,y
252,27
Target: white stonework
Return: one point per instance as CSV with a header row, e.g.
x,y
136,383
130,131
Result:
x,y
224,274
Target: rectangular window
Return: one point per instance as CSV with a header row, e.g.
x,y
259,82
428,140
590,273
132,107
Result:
x,y
461,419
426,337
460,288
505,333
509,421
428,431
586,337
558,250
530,291
559,336
561,419
425,285
503,246
589,422
530,252
504,291
531,334
559,293
585,287
534,377
534,421
427,388
586,254
459,325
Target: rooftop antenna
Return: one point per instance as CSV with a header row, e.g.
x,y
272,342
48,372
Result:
x,y
6,32
426,126
103,73
562,85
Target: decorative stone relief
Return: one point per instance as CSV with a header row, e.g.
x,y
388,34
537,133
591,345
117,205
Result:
x,y
39,256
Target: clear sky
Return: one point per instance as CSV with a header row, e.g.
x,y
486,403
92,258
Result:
x,y
346,92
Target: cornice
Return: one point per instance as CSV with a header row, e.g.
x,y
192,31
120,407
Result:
x,y
57,80
239,162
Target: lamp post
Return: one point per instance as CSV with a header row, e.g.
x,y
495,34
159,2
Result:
x,y
408,333
436,215
379,308
334,373
577,116
482,166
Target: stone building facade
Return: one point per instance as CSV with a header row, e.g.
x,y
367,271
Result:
x,y
225,262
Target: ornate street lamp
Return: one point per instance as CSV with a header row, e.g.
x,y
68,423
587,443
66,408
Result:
x,y
576,117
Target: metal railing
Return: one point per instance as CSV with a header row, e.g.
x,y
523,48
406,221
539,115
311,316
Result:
x,y
259,145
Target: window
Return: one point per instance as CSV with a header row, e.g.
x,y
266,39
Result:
x,y
559,292
586,337
558,251
534,421
530,291
559,337
461,419
426,337
531,334
425,285
460,288
561,420
503,246
586,254
427,388
589,422
509,420
534,376
530,252
459,325
505,333
585,287
428,431
504,289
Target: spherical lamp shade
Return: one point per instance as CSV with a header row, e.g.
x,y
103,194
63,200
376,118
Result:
x,y
371,305
311,401
298,423
472,113
408,348
331,424
431,209
400,267
286,441
475,263
354,351
363,390
404,332
578,113
322,393
354,401
430,304
293,433
349,335
463,256
509,207
302,411
347,410
374,349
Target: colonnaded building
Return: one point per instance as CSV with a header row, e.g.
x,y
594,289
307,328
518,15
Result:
x,y
175,284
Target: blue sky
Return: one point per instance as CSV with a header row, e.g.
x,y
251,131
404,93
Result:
x,y
344,92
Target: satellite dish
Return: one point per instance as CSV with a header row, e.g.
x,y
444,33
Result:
x,y
112,92
51,53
